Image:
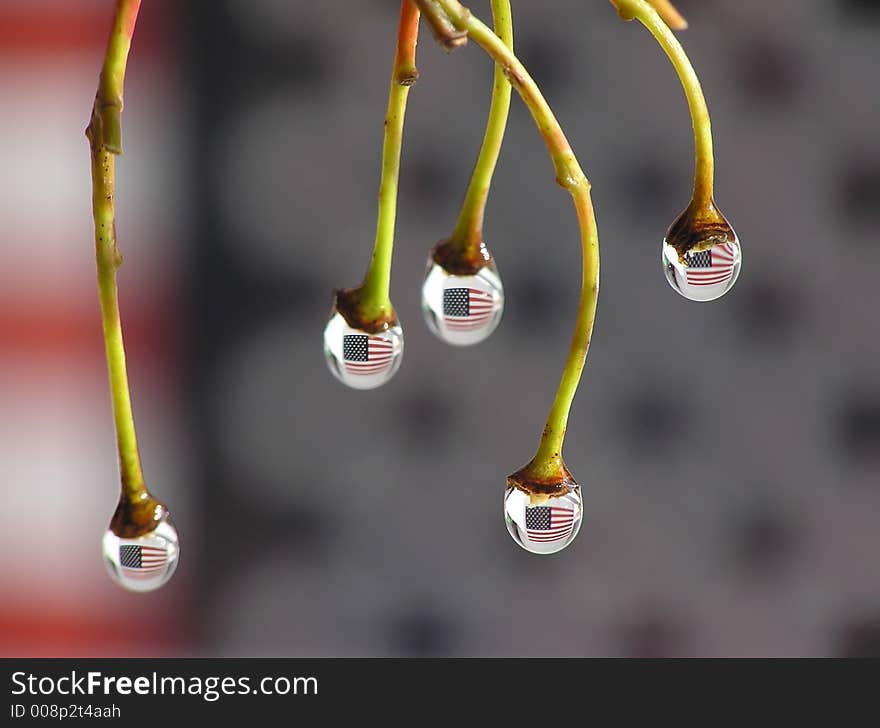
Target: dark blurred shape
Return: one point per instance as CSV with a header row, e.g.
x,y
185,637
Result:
x,y
764,541
425,418
258,301
653,421
858,191
431,175
534,301
304,61
548,62
648,187
768,311
293,57
692,9
421,632
858,426
303,64
770,73
860,637
259,529
860,10
653,634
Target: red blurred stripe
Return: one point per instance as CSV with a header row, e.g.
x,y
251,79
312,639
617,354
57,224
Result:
x,y
31,634
55,330
62,28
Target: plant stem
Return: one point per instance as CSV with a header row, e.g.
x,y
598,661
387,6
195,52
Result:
x,y
374,301
547,465
705,164
104,133
665,9
468,233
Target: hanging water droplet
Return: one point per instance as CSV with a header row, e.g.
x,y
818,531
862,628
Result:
x,y
143,563
543,524
701,254
462,309
358,358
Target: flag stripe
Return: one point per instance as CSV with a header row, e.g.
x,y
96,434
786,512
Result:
x,y
152,569
368,370
465,326
379,360
709,276
371,362
142,561
714,273
550,532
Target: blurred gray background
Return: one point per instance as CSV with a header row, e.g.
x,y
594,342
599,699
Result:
x,y
729,452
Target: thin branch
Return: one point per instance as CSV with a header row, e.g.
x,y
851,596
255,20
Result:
x,y
664,8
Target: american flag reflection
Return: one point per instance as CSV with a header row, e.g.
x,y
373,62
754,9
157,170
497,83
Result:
x,y
365,355
142,561
711,267
467,309
545,524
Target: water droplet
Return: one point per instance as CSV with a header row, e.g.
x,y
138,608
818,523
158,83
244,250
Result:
x,y
701,254
143,563
359,359
462,309
543,524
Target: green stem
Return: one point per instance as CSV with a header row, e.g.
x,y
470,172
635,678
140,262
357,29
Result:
x,y
374,301
705,164
104,133
468,233
547,465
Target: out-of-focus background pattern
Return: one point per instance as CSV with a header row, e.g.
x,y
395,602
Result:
x,y
57,462
729,452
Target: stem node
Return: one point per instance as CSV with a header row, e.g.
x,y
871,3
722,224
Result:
x,y
449,32
407,76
